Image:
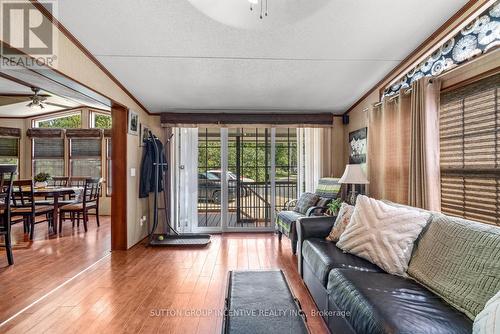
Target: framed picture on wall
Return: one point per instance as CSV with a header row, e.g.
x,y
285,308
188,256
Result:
x,y
357,146
133,123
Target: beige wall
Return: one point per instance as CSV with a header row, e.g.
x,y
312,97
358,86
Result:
x,y
136,207
337,148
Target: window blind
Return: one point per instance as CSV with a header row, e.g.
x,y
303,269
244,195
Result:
x,y
48,148
81,148
9,147
470,151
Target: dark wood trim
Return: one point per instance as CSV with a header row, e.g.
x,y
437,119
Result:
x,y
322,119
119,116
21,95
85,51
454,21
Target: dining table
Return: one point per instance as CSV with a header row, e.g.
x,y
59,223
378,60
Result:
x,y
56,193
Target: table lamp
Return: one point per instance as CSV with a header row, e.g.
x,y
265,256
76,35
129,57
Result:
x,y
353,175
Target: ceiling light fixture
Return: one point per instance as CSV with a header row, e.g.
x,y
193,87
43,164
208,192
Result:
x,y
36,100
255,3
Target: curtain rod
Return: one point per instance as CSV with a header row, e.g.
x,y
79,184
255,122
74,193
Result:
x,y
392,98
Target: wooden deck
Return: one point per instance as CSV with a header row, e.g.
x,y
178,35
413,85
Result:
x,y
213,219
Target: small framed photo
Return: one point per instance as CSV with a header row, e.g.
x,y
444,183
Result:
x,y
133,123
144,135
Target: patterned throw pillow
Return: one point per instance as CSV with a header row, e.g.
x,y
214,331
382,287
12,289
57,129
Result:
x,y
459,260
383,234
488,320
305,201
343,219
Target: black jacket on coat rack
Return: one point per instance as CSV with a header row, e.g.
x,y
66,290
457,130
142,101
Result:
x,y
146,182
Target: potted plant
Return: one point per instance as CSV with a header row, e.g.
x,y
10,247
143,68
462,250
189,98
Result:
x,y
41,180
334,207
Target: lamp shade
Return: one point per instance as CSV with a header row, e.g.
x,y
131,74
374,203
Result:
x,y
353,174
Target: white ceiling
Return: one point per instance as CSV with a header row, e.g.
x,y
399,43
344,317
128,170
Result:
x,y
20,109
321,56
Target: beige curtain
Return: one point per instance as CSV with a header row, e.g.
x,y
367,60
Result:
x,y
424,189
388,149
317,156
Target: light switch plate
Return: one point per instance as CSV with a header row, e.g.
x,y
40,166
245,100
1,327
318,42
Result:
x,y
132,171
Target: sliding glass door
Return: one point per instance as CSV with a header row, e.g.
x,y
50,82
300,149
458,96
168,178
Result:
x,y
242,177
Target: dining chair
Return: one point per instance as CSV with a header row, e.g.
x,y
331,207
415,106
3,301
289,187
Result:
x,y
76,181
90,201
24,205
6,178
56,182
59,181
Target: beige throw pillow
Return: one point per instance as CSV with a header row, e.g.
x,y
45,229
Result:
x,y
383,234
343,219
488,320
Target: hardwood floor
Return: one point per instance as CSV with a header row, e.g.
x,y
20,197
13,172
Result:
x,y
46,262
138,291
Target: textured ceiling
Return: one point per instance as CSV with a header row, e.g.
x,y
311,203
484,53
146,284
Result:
x,y
320,57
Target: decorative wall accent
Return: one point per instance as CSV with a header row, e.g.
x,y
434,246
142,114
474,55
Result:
x,y
479,37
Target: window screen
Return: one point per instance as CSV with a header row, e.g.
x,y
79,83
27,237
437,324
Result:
x,y
470,151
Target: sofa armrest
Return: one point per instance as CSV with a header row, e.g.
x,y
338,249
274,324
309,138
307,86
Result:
x,y
312,227
290,203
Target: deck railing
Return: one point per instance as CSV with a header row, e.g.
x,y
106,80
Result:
x,y
249,203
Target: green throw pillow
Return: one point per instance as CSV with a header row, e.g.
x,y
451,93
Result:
x,y
459,260
305,201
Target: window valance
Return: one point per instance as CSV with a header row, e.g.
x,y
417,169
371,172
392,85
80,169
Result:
x,y
84,133
10,132
45,133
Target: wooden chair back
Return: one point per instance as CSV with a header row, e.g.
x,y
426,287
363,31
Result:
x,y
59,181
22,193
92,190
77,181
6,179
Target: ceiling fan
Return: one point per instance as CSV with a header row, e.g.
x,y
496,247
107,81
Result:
x,y
40,101
36,100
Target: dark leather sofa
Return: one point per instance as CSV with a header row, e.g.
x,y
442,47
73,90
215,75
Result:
x,y
356,296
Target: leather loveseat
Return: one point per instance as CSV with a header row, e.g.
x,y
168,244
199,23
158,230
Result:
x,y
356,296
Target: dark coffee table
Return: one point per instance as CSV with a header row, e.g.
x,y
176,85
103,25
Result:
x,y
261,302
